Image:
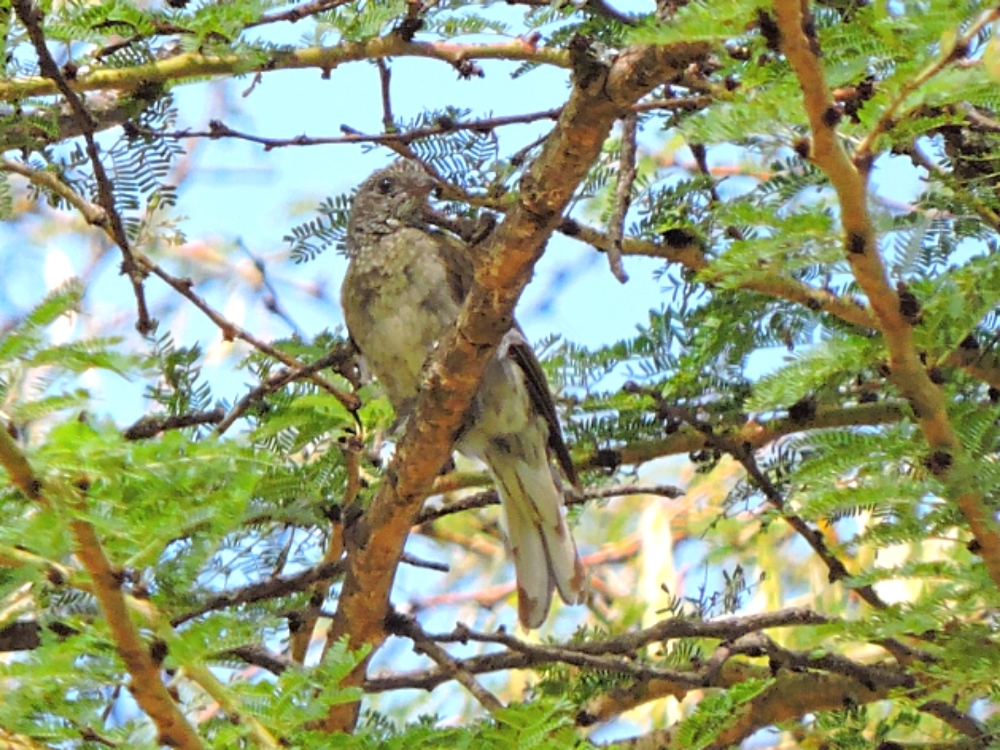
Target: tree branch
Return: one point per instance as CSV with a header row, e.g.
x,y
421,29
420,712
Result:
x,y
232,331
959,49
623,195
947,459
32,17
269,589
407,626
194,65
147,686
219,129
94,214
150,426
616,654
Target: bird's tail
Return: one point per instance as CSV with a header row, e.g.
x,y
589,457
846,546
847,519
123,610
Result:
x,y
543,550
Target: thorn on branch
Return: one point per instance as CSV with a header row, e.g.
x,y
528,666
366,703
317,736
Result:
x,y
769,30
863,162
969,344
852,98
218,129
158,651
569,227
938,463
832,116
680,237
409,28
468,69
802,410
959,52
909,305
607,458
856,244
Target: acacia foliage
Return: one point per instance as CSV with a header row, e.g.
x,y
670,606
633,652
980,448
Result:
x,y
844,528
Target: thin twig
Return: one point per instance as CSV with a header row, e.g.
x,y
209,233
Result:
x,y
601,8
91,212
218,129
236,711
272,302
385,78
623,195
837,571
150,426
959,50
337,359
259,656
408,559
231,331
269,589
606,654
490,497
161,28
597,7
32,17
423,643
297,13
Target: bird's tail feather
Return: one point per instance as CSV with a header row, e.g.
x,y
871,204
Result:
x,y
543,550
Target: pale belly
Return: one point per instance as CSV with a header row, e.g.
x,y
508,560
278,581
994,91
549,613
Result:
x,y
397,320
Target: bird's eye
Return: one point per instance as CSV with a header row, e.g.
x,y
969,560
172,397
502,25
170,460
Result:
x,y
384,186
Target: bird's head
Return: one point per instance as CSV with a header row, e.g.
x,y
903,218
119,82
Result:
x,y
392,197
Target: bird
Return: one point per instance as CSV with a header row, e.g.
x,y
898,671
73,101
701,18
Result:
x,y
405,284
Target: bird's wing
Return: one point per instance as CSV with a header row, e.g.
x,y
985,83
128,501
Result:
x,y
461,274
515,346
459,267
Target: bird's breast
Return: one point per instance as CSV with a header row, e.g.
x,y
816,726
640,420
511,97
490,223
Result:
x,y
397,306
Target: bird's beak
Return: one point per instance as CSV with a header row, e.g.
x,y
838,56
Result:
x,y
429,185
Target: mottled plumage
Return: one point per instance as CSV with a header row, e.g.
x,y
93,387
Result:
x,y
404,288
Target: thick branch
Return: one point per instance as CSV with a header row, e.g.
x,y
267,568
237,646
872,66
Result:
x,y
947,458
196,65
